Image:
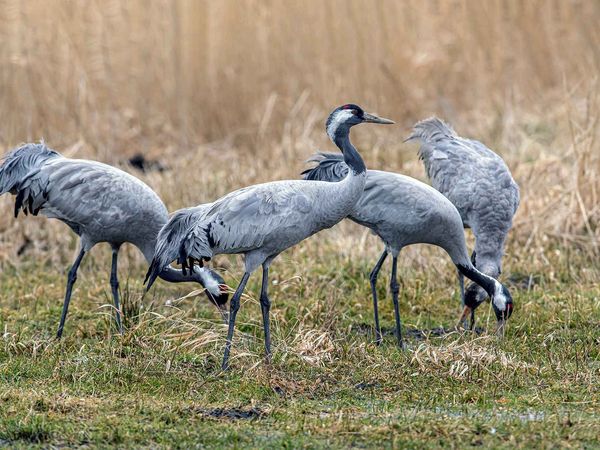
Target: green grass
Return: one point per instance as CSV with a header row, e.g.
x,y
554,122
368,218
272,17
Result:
x,y
328,386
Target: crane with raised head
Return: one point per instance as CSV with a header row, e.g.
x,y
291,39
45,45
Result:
x,y
263,220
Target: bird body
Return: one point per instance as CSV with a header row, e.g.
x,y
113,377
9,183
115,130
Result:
x,y
100,203
478,182
399,209
92,197
259,221
404,211
425,215
263,220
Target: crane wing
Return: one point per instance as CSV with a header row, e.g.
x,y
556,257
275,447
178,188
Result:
x,y
391,198
248,217
272,215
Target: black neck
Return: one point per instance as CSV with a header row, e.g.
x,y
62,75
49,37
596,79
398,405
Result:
x,y
351,156
173,275
487,283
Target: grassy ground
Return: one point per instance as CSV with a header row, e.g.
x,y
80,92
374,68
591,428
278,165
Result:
x,y
160,384
227,94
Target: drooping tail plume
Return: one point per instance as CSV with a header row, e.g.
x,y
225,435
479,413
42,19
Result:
x,y
176,238
430,130
18,175
330,167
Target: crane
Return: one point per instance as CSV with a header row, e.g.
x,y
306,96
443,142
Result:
x,y
100,203
403,211
263,220
478,182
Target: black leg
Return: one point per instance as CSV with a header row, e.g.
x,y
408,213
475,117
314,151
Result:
x,y
71,279
373,280
472,320
114,285
395,288
234,308
265,306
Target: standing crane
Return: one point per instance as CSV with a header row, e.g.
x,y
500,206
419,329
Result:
x,y
403,211
263,220
100,203
478,182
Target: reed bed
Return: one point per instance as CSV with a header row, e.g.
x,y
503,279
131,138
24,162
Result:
x,y
230,93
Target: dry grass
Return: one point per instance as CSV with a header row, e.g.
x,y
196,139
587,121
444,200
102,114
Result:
x,y
232,93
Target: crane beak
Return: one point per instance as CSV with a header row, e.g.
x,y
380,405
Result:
x,y
372,118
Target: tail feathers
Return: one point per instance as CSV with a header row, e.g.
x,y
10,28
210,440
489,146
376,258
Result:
x,y
431,130
19,164
172,236
330,167
31,193
152,274
196,245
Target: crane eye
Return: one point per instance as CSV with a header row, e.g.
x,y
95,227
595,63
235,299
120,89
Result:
x,y
355,112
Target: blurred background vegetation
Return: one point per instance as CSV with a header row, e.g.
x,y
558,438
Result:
x,y
228,93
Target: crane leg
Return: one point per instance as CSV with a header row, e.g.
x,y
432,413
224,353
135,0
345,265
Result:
x,y
265,306
234,308
373,279
395,288
71,279
114,285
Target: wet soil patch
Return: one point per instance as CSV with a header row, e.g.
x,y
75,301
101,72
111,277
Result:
x,y
231,413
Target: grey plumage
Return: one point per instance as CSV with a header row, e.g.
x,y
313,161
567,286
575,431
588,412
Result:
x,y
403,211
263,220
98,202
478,182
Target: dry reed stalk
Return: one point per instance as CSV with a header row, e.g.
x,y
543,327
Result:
x,y
233,93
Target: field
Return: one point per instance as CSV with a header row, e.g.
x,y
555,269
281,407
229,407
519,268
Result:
x,y
226,94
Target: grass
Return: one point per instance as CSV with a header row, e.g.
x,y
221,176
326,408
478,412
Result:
x,y
160,384
231,93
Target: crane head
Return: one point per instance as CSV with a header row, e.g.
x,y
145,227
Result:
x,y
216,289
502,303
346,116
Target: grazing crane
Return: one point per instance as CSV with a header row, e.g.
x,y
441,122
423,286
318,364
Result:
x,y
478,182
99,203
263,220
403,211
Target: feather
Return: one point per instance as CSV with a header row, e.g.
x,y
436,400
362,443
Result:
x,y
17,175
477,181
168,244
430,130
330,167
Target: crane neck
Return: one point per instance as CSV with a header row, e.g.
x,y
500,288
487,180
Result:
x,y
352,158
172,275
486,282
